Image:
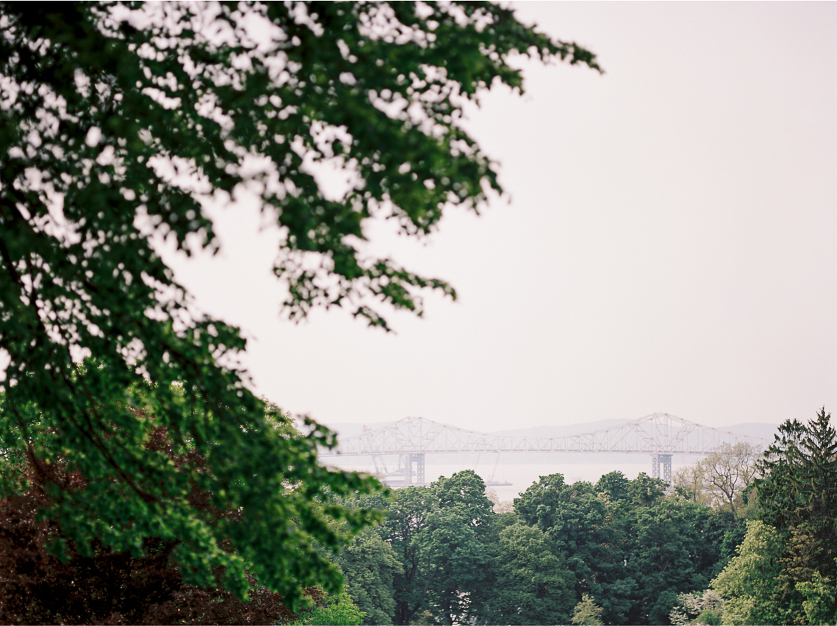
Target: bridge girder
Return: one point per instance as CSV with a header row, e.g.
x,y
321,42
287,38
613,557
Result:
x,y
658,433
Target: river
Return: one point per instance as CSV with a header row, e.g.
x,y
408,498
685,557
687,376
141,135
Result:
x,y
518,475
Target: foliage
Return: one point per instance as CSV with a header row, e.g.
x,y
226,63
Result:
x,y
500,506
798,484
339,611
587,611
797,495
709,617
93,584
406,520
748,583
436,533
119,123
668,556
703,608
368,565
689,483
623,541
785,566
645,490
455,560
722,479
728,473
820,604
531,584
733,536
576,519
626,542
615,485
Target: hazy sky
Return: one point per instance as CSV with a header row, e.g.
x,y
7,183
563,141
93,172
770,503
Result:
x,y
670,243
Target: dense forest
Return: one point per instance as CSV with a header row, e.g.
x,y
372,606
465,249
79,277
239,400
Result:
x,y
447,554
739,538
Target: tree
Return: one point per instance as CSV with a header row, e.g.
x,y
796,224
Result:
x,y
748,582
627,543
728,473
530,583
405,521
455,562
368,565
587,611
797,492
500,506
119,121
91,584
668,556
798,482
690,483
721,479
339,611
615,485
438,534
453,546
579,522
647,491
820,604
707,607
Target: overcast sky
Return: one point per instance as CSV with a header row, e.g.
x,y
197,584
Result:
x,y
670,243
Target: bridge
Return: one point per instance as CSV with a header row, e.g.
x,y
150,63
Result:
x,y
661,435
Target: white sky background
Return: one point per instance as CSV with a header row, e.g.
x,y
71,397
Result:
x,y
669,244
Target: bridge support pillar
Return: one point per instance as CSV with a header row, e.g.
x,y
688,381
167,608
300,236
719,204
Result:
x,y
419,459
407,461
661,467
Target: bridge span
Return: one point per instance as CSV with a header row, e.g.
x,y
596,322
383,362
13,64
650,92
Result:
x,y
661,435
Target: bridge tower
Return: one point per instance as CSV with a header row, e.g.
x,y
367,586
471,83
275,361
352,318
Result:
x,y
407,461
661,461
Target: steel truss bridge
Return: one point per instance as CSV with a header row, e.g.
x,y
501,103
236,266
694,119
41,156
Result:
x,y
661,435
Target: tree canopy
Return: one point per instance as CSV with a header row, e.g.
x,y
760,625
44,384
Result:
x,y
797,494
120,121
619,552
783,570
748,582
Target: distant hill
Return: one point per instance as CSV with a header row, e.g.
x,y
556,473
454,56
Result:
x,y
751,429
560,430
754,429
350,429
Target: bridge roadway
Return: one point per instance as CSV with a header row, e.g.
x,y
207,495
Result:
x,y
661,435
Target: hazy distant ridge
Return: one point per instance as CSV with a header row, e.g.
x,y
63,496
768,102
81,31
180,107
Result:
x,y
752,429
559,430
